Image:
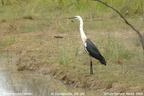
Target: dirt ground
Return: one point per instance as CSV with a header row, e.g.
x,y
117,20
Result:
x,y
41,52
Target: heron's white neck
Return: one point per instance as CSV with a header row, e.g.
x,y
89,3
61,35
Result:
x,y
83,36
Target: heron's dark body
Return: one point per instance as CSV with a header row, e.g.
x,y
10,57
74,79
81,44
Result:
x,y
94,52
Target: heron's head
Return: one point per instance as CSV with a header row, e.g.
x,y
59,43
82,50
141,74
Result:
x,y
75,17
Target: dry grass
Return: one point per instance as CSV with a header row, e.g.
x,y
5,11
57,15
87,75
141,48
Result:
x,y
32,34
65,58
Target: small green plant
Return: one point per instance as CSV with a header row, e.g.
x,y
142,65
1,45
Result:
x,y
68,54
65,55
7,42
114,51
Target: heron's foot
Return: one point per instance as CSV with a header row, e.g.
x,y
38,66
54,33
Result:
x,y
91,72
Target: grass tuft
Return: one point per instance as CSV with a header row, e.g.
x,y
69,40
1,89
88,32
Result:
x,y
66,55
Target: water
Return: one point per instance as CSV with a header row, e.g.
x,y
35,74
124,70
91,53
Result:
x,y
15,83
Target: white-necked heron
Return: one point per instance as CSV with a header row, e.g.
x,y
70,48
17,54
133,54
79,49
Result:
x,y
89,47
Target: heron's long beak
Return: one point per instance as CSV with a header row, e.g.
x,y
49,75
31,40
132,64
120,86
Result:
x,y
72,17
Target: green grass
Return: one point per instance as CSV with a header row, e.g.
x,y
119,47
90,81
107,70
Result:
x,y
44,8
7,42
114,51
30,26
68,53
65,56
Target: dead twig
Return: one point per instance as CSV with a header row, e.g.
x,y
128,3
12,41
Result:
x,y
72,3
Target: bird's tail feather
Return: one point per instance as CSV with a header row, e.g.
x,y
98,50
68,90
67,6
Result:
x,y
103,61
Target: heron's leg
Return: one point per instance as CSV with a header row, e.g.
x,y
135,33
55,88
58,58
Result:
x,y
91,69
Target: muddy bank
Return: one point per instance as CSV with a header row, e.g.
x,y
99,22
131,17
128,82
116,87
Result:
x,y
29,62
16,83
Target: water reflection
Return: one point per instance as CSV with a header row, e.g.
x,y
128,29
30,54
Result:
x,y
15,83
23,83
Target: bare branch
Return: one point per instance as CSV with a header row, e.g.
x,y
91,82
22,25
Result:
x,y
139,34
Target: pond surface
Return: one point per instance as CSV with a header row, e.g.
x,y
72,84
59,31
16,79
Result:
x,y
27,83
